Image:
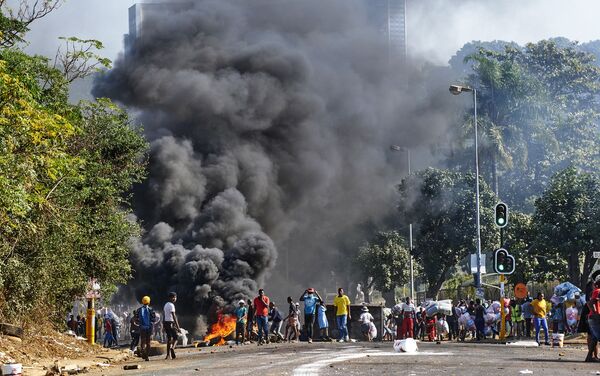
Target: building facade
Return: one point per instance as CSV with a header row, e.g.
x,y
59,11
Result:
x,y
388,16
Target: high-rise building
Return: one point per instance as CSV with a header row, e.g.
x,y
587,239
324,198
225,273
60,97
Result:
x,y
389,16
138,12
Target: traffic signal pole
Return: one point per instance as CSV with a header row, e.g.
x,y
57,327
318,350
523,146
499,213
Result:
x,y
503,312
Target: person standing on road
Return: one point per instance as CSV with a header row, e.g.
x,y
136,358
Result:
x,y
539,309
250,321
593,323
517,318
559,318
366,320
408,315
479,320
241,313
276,320
171,325
108,332
146,318
261,315
134,331
342,314
322,321
310,297
527,315
292,320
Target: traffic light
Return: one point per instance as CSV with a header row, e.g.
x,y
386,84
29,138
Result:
x,y
504,263
501,215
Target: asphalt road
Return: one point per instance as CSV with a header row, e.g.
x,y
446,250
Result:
x,y
367,359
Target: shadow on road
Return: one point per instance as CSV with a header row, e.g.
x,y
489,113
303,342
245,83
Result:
x,y
538,360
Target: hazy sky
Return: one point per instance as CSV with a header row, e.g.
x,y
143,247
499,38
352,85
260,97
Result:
x,y
436,28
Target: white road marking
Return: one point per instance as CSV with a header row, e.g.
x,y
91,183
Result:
x,y
313,368
418,353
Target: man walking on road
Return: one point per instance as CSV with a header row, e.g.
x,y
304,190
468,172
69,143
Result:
x,y
134,331
310,297
261,309
342,314
171,325
539,308
292,321
146,317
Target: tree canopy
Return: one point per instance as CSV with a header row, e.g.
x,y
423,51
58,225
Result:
x,y
441,205
65,174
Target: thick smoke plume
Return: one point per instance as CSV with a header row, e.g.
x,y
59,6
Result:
x,y
270,124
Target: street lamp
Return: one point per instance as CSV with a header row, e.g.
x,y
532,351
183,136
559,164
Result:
x,y
410,237
456,90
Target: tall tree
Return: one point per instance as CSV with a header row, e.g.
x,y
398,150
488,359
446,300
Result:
x,y
566,223
65,171
386,260
441,205
538,109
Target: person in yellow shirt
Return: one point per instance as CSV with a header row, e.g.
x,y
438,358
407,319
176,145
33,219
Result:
x,y
540,309
342,314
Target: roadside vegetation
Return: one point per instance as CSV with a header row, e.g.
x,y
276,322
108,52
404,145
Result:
x,y
65,173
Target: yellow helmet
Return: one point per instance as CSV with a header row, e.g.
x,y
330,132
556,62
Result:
x,y
146,300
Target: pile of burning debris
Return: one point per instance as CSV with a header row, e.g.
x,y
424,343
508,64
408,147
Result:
x,y
221,331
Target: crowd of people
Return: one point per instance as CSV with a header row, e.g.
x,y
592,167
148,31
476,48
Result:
x,y
260,318
261,321
141,326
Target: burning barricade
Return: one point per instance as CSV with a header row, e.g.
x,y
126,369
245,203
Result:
x,y
220,331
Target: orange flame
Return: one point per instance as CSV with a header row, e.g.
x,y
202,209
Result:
x,y
223,328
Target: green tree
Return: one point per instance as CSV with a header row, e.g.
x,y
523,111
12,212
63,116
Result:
x,y
15,18
386,260
566,224
65,174
441,205
538,109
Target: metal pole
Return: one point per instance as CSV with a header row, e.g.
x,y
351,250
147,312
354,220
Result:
x,y
90,323
410,245
477,190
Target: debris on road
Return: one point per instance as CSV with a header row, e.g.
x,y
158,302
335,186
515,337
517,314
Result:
x,y
523,344
408,345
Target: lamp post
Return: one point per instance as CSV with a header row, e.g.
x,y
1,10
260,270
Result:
x,y
456,90
410,237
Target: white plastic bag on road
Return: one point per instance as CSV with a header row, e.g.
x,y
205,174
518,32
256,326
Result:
x,y
408,345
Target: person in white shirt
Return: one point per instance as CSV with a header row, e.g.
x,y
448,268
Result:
x,y
408,316
171,325
366,324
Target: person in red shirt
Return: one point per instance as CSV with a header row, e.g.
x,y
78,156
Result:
x,y
261,309
593,322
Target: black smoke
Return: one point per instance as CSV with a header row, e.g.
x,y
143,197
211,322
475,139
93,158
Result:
x,y
270,123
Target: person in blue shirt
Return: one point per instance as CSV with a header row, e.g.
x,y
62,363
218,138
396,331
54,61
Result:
x,y
322,321
241,312
146,318
310,297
